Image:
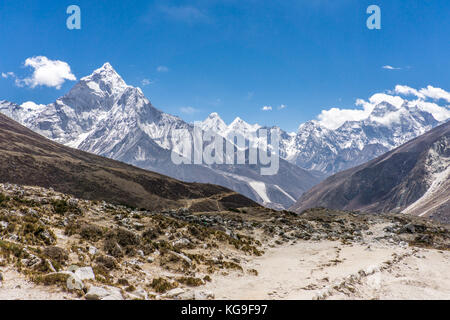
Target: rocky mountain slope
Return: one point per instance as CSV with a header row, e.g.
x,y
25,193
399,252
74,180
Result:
x,y
101,114
30,159
413,178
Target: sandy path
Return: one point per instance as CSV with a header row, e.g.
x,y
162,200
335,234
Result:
x,y
325,269
16,287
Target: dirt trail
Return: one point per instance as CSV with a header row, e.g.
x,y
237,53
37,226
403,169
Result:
x,y
15,286
331,270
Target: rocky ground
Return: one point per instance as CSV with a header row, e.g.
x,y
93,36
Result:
x,y
53,246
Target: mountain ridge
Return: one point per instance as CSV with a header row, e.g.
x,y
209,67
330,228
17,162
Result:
x,y
27,158
101,114
394,182
104,116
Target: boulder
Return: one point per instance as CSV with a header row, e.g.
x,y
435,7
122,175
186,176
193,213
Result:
x,y
85,273
103,293
74,283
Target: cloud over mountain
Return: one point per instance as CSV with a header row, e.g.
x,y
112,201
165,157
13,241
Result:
x,y
335,117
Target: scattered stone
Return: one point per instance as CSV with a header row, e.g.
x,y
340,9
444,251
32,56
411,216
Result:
x,y
92,250
103,293
74,283
174,293
85,273
182,256
183,242
138,294
204,295
73,268
49,265
3,225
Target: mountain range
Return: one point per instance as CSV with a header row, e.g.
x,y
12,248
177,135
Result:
x,y
27,158
103,115
413,178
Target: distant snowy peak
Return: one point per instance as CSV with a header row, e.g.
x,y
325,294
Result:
x,y
237,127
240,125
382,109
388,122
215,123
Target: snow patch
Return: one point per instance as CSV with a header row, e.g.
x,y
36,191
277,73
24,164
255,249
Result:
x,y
260,188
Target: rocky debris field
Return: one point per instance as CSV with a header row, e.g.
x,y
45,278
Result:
x,y
58,247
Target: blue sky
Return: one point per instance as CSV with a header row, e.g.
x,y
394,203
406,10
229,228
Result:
x,y
233,57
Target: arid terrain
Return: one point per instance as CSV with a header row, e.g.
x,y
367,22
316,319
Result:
x,y
55,246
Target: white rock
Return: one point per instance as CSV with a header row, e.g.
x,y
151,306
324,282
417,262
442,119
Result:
x,y
181,242
138,294
189,295
96,293
50,265
182,256
106,293
85,273
92,250
204,295
174,293
3,225
73,268
74,283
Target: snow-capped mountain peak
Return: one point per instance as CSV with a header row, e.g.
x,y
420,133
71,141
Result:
x,y
215,123
104,81
382,109
241,126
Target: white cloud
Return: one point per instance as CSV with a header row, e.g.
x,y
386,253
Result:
x,y
438,112
335,117
424,93
188,110
30,105
50,73
8,75
396,101
388,67
405,90
162,69
146,82
187,14
435,93
270,108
